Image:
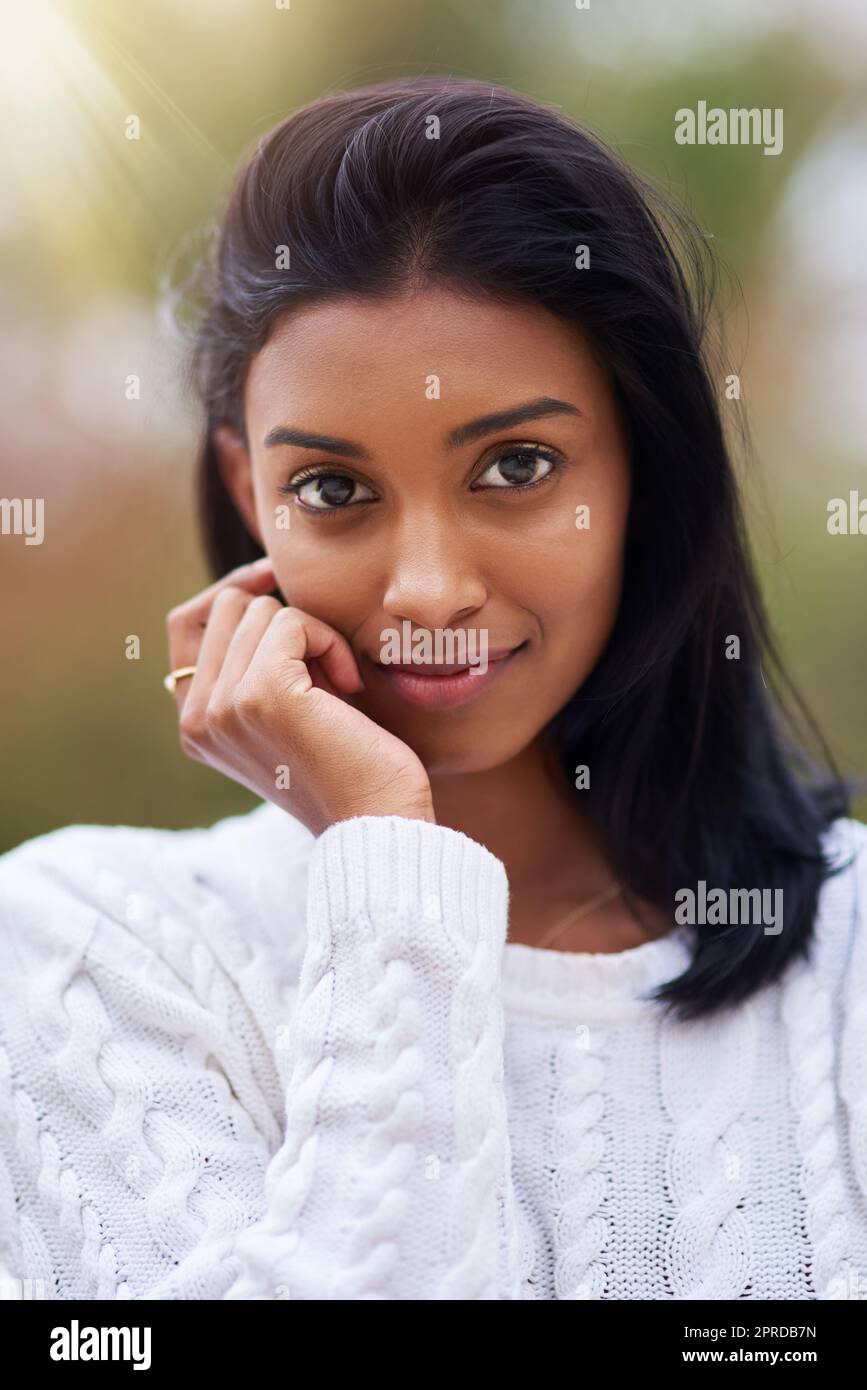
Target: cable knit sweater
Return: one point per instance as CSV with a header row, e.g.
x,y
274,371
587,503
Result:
x,y
246,1063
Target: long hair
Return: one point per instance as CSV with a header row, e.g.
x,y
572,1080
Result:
x,y
690,729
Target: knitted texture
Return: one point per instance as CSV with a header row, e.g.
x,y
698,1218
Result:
x,y
246,1063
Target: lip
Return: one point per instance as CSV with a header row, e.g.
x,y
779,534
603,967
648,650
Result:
x,y
444,687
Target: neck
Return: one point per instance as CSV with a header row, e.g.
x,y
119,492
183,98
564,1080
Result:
x,y
525,813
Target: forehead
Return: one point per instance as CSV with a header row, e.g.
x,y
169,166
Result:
x,y
352,351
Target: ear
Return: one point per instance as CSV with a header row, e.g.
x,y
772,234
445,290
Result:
x,y
233,462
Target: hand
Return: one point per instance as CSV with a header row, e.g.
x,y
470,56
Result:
x,y
267,695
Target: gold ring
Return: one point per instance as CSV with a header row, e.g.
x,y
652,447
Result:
x,y
171,680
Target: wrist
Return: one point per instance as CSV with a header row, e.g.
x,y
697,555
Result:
x,y
425,811
409,808
417,808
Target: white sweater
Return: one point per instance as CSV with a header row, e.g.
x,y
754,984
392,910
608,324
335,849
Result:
x,y
245,1063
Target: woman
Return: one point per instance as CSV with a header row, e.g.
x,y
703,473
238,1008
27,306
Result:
x,y
540,972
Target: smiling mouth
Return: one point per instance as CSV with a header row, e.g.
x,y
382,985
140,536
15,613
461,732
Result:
x,y
438,686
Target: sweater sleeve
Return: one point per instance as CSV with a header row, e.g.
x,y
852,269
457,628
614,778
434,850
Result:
x,y
393,1179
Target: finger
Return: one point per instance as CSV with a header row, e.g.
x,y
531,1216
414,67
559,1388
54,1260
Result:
x,y
227,610
186,623
245,639
296,638
328,652
293,638
319,678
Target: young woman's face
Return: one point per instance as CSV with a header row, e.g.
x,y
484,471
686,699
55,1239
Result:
x,y
436,514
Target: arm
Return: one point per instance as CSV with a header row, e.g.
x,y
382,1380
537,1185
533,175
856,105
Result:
x,y
393,1179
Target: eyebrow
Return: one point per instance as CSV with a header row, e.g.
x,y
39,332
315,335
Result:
x,y
538,409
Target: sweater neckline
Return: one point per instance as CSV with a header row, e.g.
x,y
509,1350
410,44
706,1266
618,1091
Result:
x,y
570,985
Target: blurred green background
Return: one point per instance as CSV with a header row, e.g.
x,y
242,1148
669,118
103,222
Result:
x,y
92,223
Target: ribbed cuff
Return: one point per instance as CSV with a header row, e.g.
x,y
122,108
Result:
x,y
396,867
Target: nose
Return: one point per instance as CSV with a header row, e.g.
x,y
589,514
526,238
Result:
x,y
433,579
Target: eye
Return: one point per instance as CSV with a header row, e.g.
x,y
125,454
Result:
x,y
326,491
516,469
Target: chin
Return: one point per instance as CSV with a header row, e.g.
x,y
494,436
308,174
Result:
x,y
442,756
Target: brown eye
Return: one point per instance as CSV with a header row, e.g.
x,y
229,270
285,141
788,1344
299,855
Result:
x,y
519,468
326,492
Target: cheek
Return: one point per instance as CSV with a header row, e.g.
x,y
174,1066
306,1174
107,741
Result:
x,y
578,596
578,557
319,578
578,601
